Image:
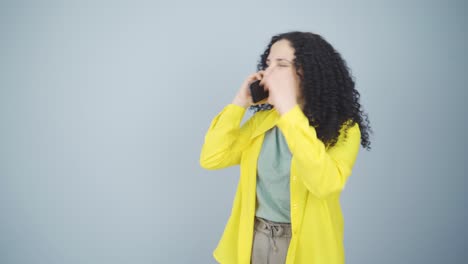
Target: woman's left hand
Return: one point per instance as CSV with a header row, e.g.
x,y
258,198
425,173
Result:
x,y
281,85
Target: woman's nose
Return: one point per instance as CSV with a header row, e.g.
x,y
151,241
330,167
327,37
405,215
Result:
x,y
265,71
268,69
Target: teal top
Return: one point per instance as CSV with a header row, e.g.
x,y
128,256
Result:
x,y
273,167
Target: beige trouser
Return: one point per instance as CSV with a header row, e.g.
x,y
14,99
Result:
x,y
270,242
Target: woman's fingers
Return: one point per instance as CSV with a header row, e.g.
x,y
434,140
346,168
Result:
x,y
253,77
259,76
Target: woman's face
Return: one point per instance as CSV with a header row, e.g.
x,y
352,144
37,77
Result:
x,y
282,55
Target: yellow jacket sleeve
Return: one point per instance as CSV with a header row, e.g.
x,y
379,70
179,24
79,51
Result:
x,y
225,139
322,171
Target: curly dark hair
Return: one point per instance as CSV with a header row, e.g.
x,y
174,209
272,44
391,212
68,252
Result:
x,y
331,99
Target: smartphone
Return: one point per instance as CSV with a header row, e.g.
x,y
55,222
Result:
x,y
257,92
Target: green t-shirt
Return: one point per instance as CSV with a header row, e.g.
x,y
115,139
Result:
x,y
273,167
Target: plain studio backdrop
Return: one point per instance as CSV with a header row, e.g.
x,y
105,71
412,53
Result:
x,y
104,106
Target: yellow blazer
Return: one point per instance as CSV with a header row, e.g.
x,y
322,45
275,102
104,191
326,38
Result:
x,y
317,177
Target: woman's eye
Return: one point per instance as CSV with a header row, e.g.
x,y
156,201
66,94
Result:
x,y
278,65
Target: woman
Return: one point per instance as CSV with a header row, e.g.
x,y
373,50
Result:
x,y
295,153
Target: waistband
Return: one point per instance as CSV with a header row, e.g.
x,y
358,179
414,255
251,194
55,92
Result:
x,y
274,229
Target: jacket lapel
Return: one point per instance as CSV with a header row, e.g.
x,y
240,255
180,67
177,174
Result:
x,y
265,121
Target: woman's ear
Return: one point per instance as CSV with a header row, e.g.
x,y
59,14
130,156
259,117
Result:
x,y
301,72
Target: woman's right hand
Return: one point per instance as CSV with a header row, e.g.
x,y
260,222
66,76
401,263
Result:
x,y
243,96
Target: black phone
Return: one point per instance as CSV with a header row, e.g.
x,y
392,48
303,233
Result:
x,y
257,91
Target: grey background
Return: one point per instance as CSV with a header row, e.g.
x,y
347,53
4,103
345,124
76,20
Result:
x,y
104,106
